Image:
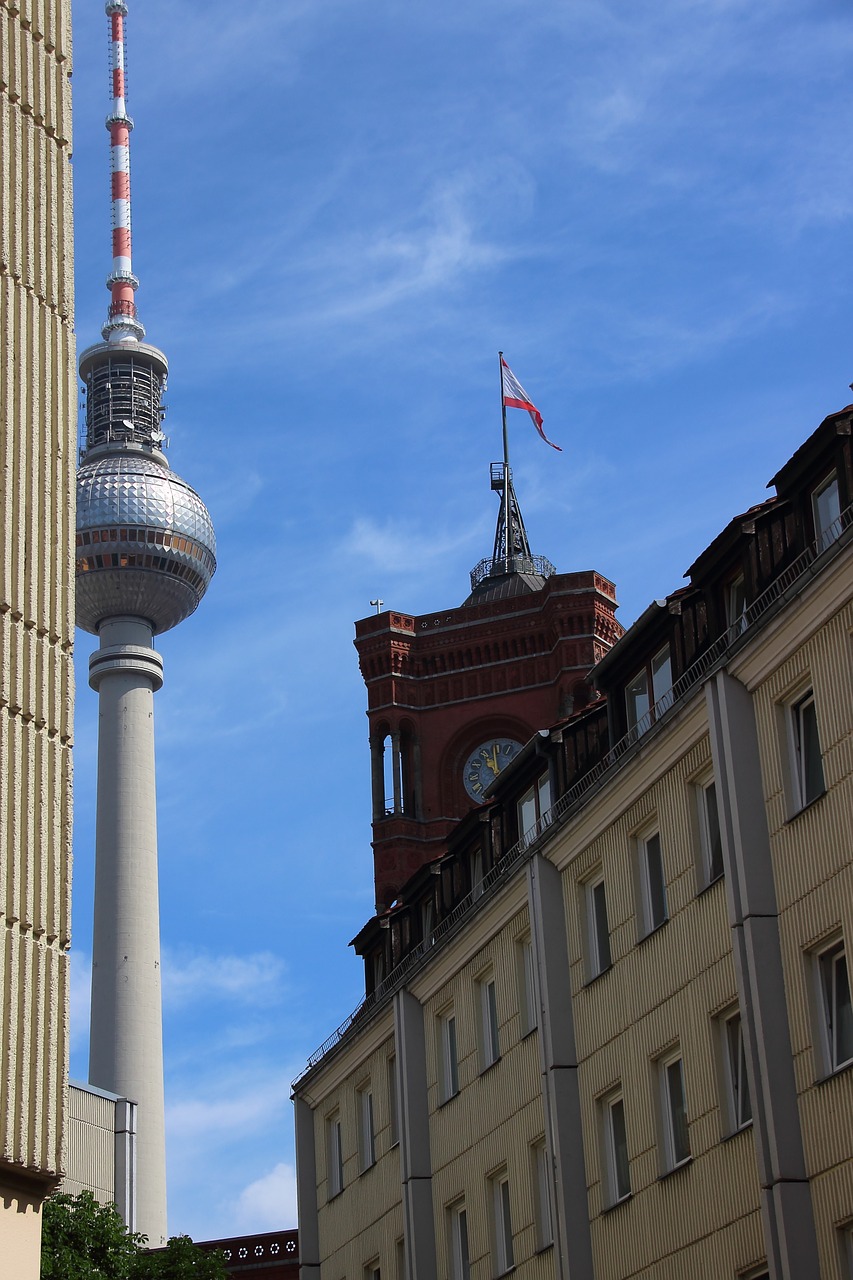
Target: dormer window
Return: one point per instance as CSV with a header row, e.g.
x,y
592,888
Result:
x,y
534,804
736,604
826,508
646,695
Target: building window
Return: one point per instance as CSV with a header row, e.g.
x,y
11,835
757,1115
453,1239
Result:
x,y
653,910
598,931
617,1177
448,1063
736,604
710,838
826,509
526,985
489,1045
541,1168
372,1270
655,678
807,766
393,1109
739,1102
366,1138
502,1224
534,805
477,872
836,1010
457,1233
673,1104
335,1154
845,1244
400,1255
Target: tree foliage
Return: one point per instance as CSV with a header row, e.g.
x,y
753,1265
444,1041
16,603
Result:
x,y
85,1240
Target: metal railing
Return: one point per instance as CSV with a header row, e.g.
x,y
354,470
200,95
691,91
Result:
x,y
540,565
789,583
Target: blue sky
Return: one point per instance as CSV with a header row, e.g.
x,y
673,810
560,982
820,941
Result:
x,y
341,212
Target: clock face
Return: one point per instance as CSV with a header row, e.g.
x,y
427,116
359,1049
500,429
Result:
x,y
485,763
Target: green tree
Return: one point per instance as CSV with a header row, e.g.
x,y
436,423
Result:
x,y
85,1240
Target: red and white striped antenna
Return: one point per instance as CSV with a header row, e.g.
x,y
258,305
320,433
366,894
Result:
x,y
122,324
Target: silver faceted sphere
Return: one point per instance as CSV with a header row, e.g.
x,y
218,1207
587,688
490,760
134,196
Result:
x,y
145,543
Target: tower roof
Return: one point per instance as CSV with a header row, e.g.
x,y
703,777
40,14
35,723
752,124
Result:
x,y
511,570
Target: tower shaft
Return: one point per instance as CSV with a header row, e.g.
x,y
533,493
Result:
x,y
126,1042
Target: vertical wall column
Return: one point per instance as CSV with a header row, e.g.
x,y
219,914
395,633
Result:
x,y
559,1067
415,1160
306,1190
787,1210
126,1043
125,1162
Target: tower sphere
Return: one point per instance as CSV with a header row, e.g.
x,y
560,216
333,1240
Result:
x,y
145,542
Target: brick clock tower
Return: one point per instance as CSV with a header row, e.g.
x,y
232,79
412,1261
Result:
x,y
453,695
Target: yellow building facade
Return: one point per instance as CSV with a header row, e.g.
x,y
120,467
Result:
x,y
37,469
622,1045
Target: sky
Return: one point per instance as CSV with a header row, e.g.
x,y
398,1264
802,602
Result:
x,y
341,212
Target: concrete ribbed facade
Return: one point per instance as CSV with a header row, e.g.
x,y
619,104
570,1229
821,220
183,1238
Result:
x,y
745,969
37,468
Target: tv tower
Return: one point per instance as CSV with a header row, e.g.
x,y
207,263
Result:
x,y
145,556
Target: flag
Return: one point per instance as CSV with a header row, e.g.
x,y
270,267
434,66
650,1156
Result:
x,y
515,397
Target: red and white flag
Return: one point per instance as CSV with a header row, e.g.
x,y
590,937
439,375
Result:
x,y
515,397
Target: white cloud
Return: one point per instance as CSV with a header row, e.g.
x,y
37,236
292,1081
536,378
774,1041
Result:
x,y
256,979
268,1203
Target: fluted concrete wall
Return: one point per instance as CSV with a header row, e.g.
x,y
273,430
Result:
x,y
37,461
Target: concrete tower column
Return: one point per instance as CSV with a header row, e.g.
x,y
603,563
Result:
x,y
126,1045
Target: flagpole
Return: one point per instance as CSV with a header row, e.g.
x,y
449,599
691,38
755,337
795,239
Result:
x,y
506,465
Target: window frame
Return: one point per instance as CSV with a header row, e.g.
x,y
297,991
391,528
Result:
x,y
393,1100
703,785
525,970
503,1252
616,1180
366,1127
448,1055
487,1020
651,880
647,676
599,952
334,1155
799,749
736,603
737,1090
669,1125
538,797
826,992
821,528
458,1241
542,1187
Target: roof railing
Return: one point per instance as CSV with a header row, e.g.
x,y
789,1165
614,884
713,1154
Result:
x,y
495,566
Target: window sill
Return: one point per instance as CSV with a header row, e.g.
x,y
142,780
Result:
x,y
617,1204
526,1034
367,1169
651,933
709,884
543,1248
676,1168
735,1133
834,1072
798,813
595,976
452,1097
484,1071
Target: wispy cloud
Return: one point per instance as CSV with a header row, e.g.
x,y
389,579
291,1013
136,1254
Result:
x,y
269,1202
193,978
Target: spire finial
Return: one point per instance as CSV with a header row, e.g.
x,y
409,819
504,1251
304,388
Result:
x,y
122,323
